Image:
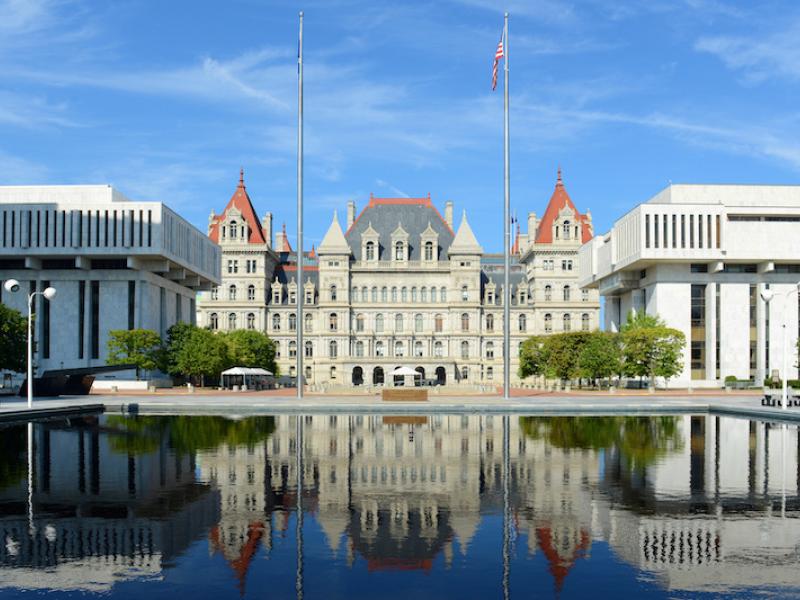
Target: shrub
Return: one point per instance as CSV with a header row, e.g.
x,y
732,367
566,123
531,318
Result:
x,y
730,379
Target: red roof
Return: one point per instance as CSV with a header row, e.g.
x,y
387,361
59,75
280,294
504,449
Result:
x,y
560,565
515,247
559,200
240,200
284,245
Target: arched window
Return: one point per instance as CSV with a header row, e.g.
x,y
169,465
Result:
x,y
384,294
394,294
398,322
566,293
464,293
438,323
489,322
354,294
404,295
359,348
232,321
399,253
308,373
379,323
370,251
231,292
251,292
213,321
464,373
438,349
490,373
276,322
251,320
333,349
333,322
566,229
548,292
333,293
585,321
414,294
465,349
360,323
374,294
333,372
292,349
418,323
233,230
548,323
309,349
364,294
428,250
489,349
398,349
379,349
464,322
433,295
292,322
309,319
523,323
567,322
423,295
443,295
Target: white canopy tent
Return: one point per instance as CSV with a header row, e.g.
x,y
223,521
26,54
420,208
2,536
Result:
x,y
246,378
405,372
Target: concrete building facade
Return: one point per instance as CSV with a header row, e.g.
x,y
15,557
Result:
x,y
700,257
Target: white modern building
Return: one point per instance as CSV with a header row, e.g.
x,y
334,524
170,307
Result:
x,y
115,263
700,257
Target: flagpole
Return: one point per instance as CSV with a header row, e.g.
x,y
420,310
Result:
x,y
506,228
300,322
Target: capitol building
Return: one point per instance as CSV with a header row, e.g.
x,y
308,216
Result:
x,y
398,284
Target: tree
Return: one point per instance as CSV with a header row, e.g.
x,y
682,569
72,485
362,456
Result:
x,y
177,336
601,356
139,347
641,320
650,349
250,348
13,340
533,356
562,354
201,354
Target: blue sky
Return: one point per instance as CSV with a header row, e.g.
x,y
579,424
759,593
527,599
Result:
x,y
166,100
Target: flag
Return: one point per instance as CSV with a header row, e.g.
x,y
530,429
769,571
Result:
x,y
497,56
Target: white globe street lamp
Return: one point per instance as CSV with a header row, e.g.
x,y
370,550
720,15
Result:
x,y
767,296
12,285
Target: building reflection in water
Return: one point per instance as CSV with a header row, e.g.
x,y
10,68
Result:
x,y
690,499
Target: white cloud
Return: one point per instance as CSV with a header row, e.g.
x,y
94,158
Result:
x,y
18,170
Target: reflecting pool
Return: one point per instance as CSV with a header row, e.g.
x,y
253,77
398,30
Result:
x,y
367,506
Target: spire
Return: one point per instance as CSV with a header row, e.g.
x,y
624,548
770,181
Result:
x,y
240,200
465,241
559,201
334,241
558,179
241,178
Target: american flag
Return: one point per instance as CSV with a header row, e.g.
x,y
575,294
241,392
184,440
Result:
x,y
497,56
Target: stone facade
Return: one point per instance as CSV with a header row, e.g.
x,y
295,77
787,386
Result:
x,y
399,284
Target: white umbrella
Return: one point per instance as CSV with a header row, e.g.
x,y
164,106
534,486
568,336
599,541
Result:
x,y
405,371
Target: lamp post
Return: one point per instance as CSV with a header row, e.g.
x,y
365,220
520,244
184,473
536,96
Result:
x,y
12,285
767,296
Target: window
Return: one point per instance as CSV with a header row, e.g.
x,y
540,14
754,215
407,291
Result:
x,y
309,349
276,322
310,296
399,253
464,322
465,349
398,322
215,293
414,294
213,321
374,294
378,323
333,349
465,373
566,265
232,321
398,349
548,323
292,322
360,323
423,295
490,373
292,349
364,294
438,349
489,322
404,295
233,266
370,251
566,293
523,323
384,294
359,349
428,250
333,293
232,292
566,229
433,295
418,349
548,264
333,372
251,292
443,295
394,294
489,349
585,295
309,319
333,322
585,321
379,349
464,293
418,323
548,293
567,320
233,229
251,320
438,323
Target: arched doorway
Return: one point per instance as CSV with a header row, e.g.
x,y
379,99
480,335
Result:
x,y
358,376
441,376
421,379
377,376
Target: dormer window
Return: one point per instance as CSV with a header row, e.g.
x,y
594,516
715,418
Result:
x,y
399,251
566,228
233,229
428,250
369,251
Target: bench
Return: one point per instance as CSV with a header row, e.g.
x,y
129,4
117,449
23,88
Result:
x,y
415,394
775,400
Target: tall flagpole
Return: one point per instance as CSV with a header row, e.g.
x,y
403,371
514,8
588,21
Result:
x,y
506,230
300,322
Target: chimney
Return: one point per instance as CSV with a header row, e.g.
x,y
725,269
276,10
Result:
x,y
532,220
266,224
448,213
351,213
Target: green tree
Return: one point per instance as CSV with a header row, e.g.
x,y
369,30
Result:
x,y
139,347
201,354
177,336
650,348
13,340
641,320
533,356
601,356
563,350
250,348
